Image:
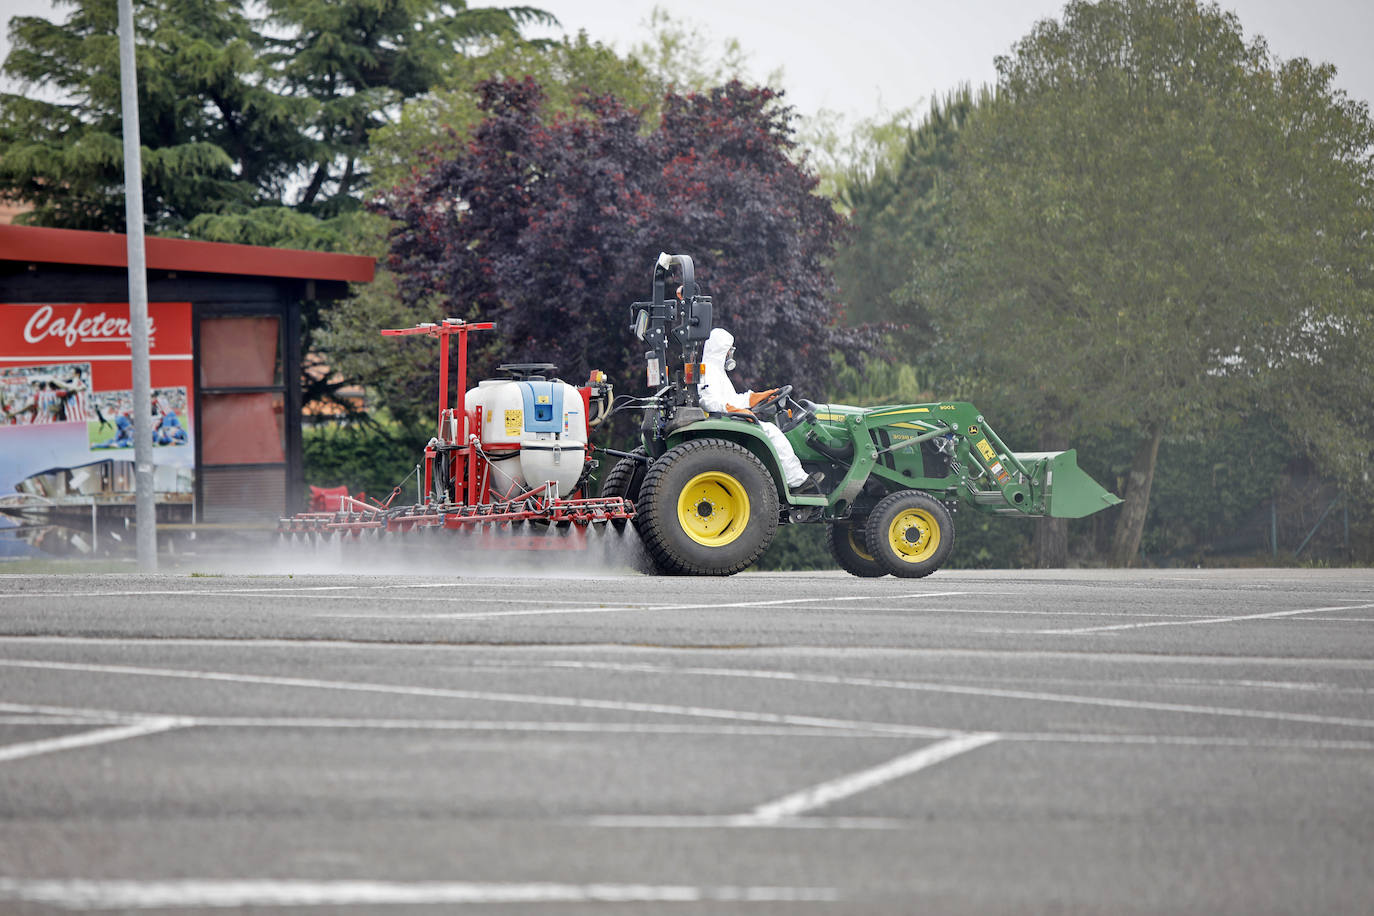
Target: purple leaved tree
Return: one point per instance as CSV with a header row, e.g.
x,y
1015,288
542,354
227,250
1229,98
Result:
x,y
550,228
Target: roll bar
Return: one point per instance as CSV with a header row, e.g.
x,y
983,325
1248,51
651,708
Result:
x,y
685,317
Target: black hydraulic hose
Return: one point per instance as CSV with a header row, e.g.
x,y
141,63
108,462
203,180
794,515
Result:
x,y
844,455
619,454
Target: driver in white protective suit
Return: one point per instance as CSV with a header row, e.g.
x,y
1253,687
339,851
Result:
x,y
718,395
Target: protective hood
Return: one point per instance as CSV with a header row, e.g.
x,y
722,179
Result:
x,y
715,389
717,347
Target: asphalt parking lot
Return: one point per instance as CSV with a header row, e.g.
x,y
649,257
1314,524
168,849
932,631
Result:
x,y
529,740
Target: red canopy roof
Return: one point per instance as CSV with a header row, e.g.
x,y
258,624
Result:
x,y
109,249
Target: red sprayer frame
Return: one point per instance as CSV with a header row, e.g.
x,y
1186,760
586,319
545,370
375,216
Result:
x,y
450,327
471,507
444,331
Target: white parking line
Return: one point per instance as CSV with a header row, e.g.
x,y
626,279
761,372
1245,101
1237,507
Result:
x,y
826,793
1184,623
738,821
1316,687
295,594
254,644
530,725
96,715
880,601
673,729
1297,744
609,608
299,591
492,696
45,720
612,608
189,894
38,715
997,692
790,811
87,739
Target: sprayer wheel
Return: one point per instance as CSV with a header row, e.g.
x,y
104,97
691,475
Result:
x,y
847,546
626,477
910,533
707,508
624,480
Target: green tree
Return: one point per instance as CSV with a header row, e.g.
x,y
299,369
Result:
x,y
436,126
673,56
441,121
214,136
898,200
253,130
1156,221
439,125
544,227
677,55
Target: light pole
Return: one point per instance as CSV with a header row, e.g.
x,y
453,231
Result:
x,y
145,509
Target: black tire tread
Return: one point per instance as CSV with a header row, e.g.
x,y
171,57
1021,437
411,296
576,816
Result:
x,y
837,539
624,548
878,520
665,556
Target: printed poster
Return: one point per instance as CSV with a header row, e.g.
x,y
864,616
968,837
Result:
x,y
67,407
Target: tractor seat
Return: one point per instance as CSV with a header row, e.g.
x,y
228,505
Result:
x,y
685,416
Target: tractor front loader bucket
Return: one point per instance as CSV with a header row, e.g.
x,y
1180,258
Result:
x,y
1068,491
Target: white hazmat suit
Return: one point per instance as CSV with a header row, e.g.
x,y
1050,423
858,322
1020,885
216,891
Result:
x,y
717,394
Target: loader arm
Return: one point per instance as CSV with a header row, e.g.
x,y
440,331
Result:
x,y
896,445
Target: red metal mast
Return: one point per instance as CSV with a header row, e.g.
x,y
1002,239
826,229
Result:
x,y
444,331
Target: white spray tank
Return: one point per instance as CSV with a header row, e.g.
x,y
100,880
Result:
x,y
541,418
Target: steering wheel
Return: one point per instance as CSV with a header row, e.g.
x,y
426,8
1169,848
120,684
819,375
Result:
x,y
801,411
768,406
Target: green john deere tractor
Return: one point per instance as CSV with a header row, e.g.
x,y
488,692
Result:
x,y
709,492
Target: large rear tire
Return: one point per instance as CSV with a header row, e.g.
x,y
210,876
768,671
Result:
x,y
847,546
707,508
910,533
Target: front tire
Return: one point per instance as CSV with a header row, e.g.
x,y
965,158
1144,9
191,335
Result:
x,y
847,546
707,508
910,533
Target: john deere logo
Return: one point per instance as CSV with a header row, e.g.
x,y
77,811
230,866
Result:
x,y
973,430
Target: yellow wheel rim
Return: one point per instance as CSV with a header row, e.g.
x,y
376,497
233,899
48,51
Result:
x,y
859,550
914,536
713,509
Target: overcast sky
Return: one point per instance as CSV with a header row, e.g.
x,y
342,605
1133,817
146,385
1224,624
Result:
x,y
862,57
